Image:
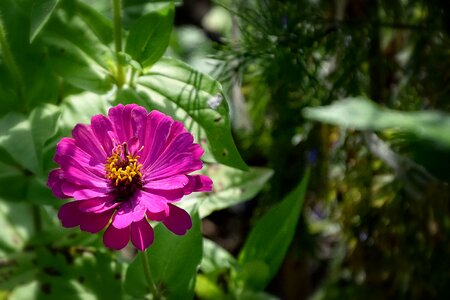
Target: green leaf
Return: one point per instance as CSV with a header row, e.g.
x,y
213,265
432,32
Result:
x,y
16,139
40,13
77,54
173,263
24,139
231,186
99,24
16,222
149,36
215,258
14,183
193,98
206,289
80,109
363,114
43,121
99,273
17,269
268,241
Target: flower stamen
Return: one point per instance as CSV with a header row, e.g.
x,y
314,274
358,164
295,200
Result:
x,y
123,168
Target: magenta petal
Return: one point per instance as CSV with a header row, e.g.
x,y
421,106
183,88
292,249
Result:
x,y
142,234
86,140
115,238
127,120
164,196
67,146
128,212
98,205
176,129
94,222
55,182
178,221
180,144
101,125
181,163
198,183
158,216
154,203
169,183
90,193
154,138
70,214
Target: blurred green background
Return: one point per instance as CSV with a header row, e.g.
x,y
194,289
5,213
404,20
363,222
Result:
x,y
376,219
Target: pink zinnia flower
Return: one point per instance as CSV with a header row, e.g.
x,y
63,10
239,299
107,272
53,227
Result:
x,y
125,170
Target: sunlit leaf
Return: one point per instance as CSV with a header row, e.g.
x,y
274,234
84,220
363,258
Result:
x,y
193,98
206,289
363,114
16,223
40,13
16,139
215,258
231,186
269,239
99,24
149,36
80,109
77,54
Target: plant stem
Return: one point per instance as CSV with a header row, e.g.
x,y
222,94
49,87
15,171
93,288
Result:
x,y
151,284
117,18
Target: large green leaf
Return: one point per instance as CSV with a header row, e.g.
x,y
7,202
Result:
x,y
363,114
231,186
40,13
268,241
98,23
22,143
77,54
80,109
17,140
193,98
16,223
149,36
24,139
173,263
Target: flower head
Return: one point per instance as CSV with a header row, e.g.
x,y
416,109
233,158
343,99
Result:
x,y
124,170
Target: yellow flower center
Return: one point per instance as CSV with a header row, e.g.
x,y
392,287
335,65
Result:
x,y
123,168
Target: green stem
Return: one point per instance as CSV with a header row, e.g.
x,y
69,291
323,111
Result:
x,y
151,284
117,18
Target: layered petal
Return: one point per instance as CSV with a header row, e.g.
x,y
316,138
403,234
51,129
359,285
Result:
x,y
128,212
55,182
98,205
104,132
116,238
198,183
178,221
94,222
168,183
70,214
154,203
88,142
142,234
127,121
